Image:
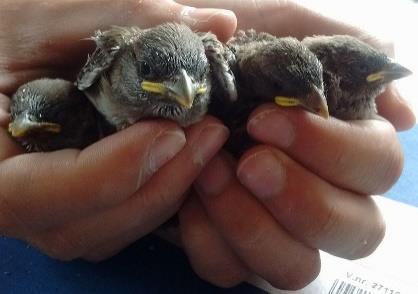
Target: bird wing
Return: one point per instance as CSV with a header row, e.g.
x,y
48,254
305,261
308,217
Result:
x,y
220,58
108,44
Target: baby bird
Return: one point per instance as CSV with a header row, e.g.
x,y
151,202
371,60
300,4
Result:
x,y
144,73
267,69
283,70
51,114
354,74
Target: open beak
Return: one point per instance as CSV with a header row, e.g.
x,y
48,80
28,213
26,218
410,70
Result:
x,y
393,71
314,102
182,90
23,125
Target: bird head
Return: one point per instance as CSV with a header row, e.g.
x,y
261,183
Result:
x,y
164,73
51,114
31,113
291,74
361,68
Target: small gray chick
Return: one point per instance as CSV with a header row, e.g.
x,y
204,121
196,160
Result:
x,y
354,74
51,114
145,73
266,69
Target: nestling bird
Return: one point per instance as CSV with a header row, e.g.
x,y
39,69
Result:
x,y
267,69
51,114
143,73
354,74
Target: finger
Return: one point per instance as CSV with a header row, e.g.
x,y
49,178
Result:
x,y
56,26
284,18
54,33
211,258
220,21
363,156
8,147
315,212
396,109
251,231
43,189
155,202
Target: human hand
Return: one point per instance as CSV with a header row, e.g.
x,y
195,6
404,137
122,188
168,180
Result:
x,y
308,189
47,39
288,18
92,203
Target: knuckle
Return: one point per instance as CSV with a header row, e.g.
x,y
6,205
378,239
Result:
x,y
325,226
247,237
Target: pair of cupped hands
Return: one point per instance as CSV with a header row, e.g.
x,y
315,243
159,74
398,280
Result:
x,y
305,187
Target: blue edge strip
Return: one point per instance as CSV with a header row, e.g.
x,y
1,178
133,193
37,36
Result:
x,y
148,266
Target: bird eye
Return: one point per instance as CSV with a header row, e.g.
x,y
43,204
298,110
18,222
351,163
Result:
x,y
145,69
363,67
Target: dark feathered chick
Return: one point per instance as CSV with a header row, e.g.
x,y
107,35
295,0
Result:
x,y
267,69
51,114
354,74
157,72
281,69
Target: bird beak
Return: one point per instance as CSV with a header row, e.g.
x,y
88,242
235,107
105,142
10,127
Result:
x,y
393,71
21,126
314,102
183,90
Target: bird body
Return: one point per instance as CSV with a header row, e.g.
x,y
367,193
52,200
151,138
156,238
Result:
x,y
267,69
51,114
159,72
354,74
170,72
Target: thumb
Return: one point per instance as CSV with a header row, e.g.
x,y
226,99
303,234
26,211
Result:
x,y
52,33
85,17
220,21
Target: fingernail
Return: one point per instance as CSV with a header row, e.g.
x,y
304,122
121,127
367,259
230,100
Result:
x,y
272,126
262,174
192,16
164,147
214,177
208,142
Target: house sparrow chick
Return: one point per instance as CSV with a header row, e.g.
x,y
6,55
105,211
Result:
x,y
158,72
354,74
51,114
267,69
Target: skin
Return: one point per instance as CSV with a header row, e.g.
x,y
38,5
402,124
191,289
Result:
x,y
90,207
97,222
339,172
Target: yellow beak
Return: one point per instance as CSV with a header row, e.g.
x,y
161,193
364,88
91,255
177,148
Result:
x,y
183,90
393,71
314,102
21,126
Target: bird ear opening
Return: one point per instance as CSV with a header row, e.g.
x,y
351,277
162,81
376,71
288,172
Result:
x,y
108,45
